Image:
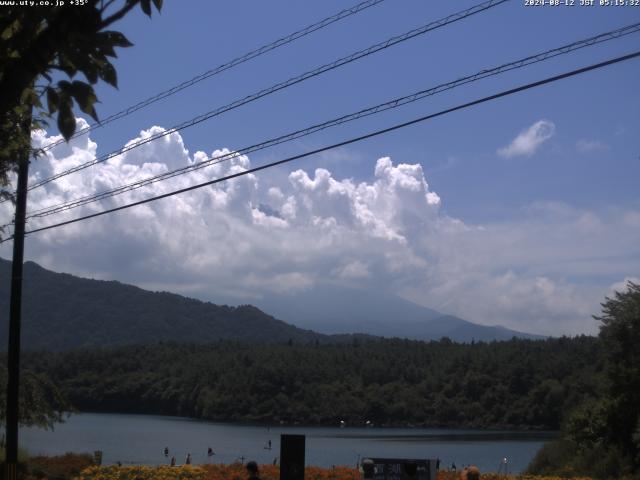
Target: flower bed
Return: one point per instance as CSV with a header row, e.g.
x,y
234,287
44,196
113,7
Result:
x,y
446,475
62,466
164,472
237,471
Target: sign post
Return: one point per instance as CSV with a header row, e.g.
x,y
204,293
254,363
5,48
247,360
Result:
x,y
292,457
399,469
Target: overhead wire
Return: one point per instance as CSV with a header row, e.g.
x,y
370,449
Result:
x,y
376,133
347,12
279,86
523,62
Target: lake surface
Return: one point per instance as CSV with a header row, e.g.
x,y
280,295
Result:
x,y
141,439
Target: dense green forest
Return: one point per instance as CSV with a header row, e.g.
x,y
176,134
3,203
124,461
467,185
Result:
x,y
600,437
519,383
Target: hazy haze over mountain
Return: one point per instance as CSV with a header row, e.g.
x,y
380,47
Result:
x,y
62,311
334,309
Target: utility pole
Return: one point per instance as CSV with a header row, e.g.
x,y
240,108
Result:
x,y
15,308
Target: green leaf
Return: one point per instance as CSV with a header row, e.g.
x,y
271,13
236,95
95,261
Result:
x,y
108,74
116,39
158,4
64,87
53,99
107,50
67,66
91,72
87,64
10,30
146,6
83,92
30,97
85,97
66,120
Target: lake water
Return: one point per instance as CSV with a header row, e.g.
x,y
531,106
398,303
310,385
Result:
x,y
141,439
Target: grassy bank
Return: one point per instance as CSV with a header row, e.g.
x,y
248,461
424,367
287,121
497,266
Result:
x,y
80,467
22,455
62,467
237,471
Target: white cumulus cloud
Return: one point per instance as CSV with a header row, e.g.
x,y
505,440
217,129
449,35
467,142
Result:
x,y
529,140
242,240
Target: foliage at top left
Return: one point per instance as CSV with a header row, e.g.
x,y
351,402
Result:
x,y
50,57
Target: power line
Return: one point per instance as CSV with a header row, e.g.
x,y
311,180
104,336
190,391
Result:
x,y
282,85
225,66
532,59
279,86
348,142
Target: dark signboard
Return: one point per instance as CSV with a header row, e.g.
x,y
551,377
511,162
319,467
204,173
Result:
x,y
398,469
292,457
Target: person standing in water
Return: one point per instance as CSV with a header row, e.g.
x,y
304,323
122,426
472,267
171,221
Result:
x,y
188,459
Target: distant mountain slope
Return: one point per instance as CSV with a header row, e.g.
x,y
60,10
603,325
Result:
x,y
463,331
61,311
331,309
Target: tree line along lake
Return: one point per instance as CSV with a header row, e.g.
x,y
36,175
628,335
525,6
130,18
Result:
x,y
141,439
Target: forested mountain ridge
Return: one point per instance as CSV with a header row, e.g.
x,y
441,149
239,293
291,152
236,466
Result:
x,y
519,383
61,311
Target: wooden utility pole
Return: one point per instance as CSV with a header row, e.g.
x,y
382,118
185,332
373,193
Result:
x,y
15,307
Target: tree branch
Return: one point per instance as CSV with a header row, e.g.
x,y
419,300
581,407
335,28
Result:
x,y
107,5
118,15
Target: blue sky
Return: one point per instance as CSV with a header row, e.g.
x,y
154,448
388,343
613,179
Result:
x,y
568,197
458,151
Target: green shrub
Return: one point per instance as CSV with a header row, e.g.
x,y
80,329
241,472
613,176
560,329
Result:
x,y
564,458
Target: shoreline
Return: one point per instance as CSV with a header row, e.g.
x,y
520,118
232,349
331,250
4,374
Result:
x,y
504,428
